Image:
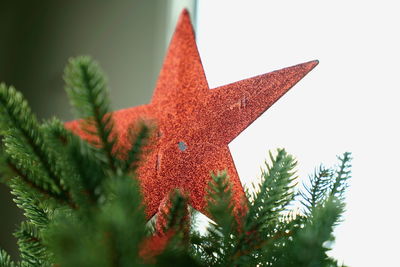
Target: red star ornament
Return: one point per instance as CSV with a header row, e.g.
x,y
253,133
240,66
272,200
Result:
x,y
196,124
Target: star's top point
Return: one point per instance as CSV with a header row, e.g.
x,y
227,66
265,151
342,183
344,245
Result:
x,y
182,74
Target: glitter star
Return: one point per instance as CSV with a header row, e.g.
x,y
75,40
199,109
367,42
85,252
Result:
x,y
195,123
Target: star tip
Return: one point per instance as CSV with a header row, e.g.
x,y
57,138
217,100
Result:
x,y
312,64
185,13
184,17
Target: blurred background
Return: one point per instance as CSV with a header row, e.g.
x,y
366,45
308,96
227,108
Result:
x,y
128,38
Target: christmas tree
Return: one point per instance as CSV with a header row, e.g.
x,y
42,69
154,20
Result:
x,y
84,205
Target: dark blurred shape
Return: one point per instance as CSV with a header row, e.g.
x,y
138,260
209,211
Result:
x,y
128,38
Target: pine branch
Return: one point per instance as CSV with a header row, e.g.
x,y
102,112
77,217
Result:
x,y
224,228
274,195
220,204
5,259
30,245
124,221
327,184
342,175
139,139
276,242
29,203
307,246
25,144
37,188
88,93
275,191
110,237
80,163
316,192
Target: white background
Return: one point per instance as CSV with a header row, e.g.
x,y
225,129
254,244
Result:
x,y
349,102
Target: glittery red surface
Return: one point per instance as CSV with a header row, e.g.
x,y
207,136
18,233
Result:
x,y
195,123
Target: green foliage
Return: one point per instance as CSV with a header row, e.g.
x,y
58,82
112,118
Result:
x,y
80,162
270,234
5,259
28,152
274,194
139,140
87,89
324,208
83,205
215,247
220,205
33,252
30,203
317,191
109,237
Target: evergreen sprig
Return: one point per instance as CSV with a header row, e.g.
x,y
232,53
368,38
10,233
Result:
x,y
139,136
30,203
33,252
29,155
274,193
88,92
216,247
317,190
83,204
80,161
5,259
219,204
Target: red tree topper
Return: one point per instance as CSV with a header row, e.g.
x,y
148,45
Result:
x,y
195,124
